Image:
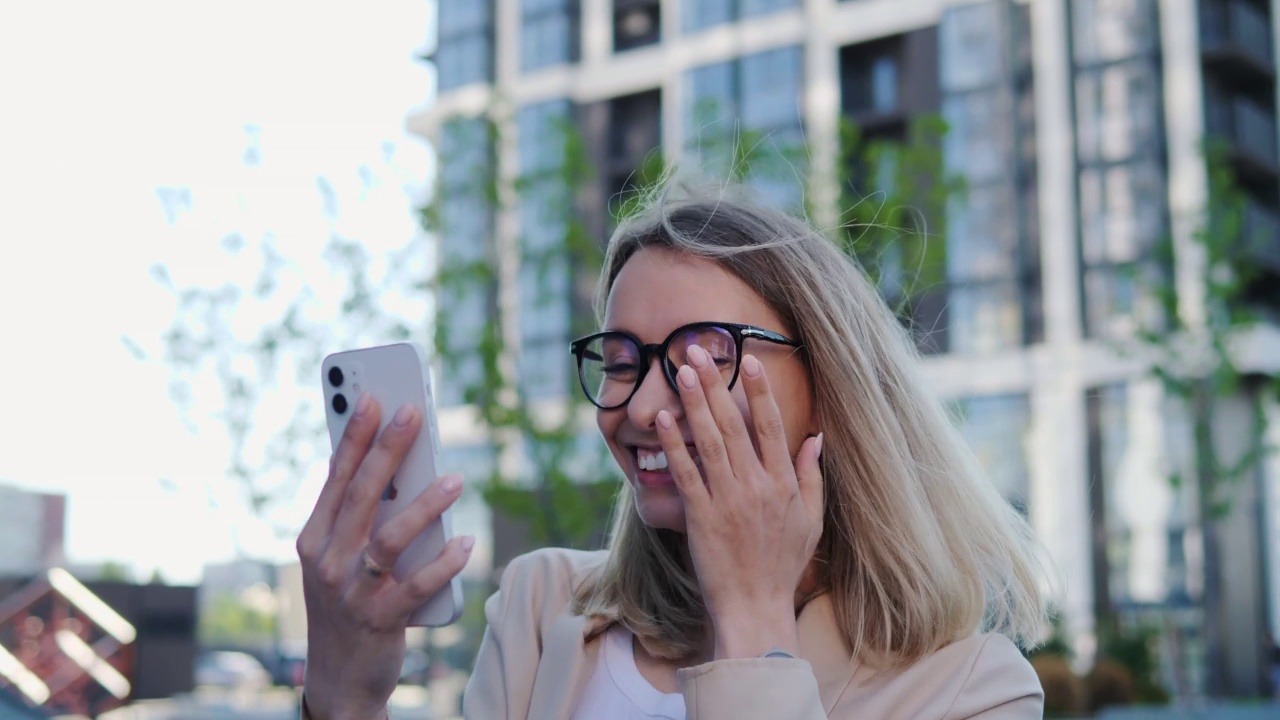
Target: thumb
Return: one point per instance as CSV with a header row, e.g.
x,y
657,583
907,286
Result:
x,y
809,476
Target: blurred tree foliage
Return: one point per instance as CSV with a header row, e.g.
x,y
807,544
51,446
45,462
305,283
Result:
x,y
262,330
228,622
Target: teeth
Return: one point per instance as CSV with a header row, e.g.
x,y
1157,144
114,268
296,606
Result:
x,y
651,459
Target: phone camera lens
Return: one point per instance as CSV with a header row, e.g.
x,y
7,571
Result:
x,y
335,376
339,403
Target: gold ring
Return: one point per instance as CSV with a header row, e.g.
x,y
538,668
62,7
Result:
x,y
371,566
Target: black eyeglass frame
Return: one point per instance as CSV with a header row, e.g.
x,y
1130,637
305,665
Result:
x,y
649,351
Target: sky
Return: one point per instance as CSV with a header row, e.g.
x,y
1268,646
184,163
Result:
x,y
109,106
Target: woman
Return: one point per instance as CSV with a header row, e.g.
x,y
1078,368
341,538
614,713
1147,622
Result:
x,y
802,534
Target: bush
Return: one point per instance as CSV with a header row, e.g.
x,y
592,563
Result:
x,y
1064,693
1110,683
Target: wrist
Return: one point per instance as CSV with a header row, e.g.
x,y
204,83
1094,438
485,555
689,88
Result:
x,y
754,634
322,710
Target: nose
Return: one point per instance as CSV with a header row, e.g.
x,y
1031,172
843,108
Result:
x,y
653,395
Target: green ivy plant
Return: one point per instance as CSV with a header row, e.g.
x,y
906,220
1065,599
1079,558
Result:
x,y
1195,363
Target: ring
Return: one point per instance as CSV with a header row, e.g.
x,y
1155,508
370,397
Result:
x,y
371,566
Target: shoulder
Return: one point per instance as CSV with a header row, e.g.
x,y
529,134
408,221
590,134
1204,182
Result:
x,y
983,675
991,674
545,579
553,568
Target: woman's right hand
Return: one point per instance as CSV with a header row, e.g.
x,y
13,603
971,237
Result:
x,y
356,617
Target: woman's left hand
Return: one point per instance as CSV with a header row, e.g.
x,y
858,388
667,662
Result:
x,y
754,522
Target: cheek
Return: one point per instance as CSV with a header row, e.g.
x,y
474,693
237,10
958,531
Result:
x,y
608,422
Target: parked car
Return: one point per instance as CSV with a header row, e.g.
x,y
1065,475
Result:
x,y
230,669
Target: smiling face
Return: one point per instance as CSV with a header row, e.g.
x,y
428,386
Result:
x,y
656,292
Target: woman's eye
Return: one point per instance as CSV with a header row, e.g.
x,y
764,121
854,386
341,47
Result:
x,y
619,370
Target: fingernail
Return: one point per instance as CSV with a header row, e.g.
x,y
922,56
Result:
x,y
467,542
450,484
697,356
751,366
664,420
362,405
687,377
404,415
818,450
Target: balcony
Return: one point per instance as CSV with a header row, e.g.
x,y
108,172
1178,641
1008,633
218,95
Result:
x,y
1237,35
1247,125
1260,233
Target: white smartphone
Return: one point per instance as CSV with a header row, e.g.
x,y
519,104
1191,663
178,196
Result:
x,y
395,375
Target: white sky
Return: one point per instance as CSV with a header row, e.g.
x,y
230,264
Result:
x,y
106,102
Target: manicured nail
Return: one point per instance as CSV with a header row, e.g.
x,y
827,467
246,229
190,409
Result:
x,y
751,366
467,542
404,415
687,377
817,450
450,484
362,405
664,420
697,356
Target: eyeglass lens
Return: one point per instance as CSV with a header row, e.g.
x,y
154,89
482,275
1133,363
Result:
x,y
611,364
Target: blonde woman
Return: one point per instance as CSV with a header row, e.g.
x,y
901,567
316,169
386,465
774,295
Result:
x,y
802,534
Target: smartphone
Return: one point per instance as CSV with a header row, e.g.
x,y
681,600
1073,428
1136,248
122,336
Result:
x,y
395,375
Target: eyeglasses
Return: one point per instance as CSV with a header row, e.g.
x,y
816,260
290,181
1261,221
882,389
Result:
x,y
612,365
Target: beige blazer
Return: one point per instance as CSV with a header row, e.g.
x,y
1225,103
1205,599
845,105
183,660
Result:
x,y
536,658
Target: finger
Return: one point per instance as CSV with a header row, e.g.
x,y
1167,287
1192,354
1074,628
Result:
x,y
725,412
351,450
394,536
771,434
355,517
706,434
413,592
809,477
681,465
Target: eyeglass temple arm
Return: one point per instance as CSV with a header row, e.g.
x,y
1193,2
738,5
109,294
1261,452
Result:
x,y
770,336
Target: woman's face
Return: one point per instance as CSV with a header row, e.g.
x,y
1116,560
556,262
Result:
x,y
656,292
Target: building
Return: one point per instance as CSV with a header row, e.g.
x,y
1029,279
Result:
x,y
32,531
1077,126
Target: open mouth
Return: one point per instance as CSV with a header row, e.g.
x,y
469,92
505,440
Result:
x,y
654,460
651,460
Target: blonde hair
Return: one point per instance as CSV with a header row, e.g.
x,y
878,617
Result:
x,y
918,548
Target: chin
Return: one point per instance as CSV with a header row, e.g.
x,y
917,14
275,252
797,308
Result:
x,y
660,508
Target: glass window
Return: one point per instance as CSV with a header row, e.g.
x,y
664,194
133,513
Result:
x,y
1122,211
1145,519
977,144
982,243
984,317
1105,30
871,78
752,8
997,428
771,89
636,23
474,461
1118,111
758,94
970,47
544,279
464,49
703,14
548,33
465,213
710,102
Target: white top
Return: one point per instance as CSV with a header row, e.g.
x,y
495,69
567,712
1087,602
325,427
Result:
x,y
617,690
